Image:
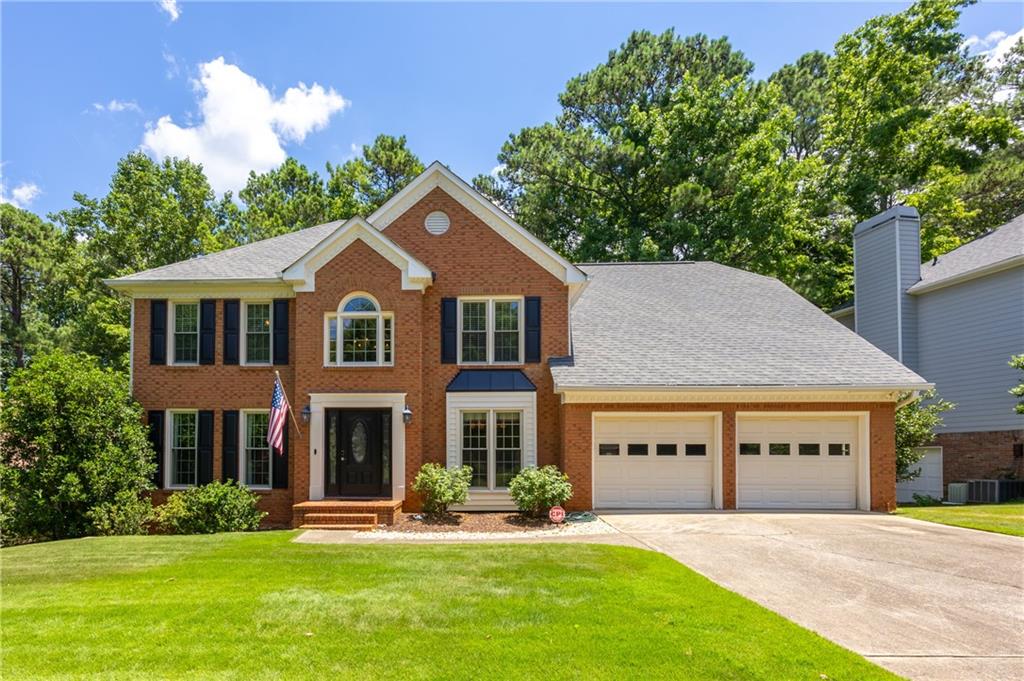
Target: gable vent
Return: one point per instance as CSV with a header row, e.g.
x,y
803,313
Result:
x,y
437,223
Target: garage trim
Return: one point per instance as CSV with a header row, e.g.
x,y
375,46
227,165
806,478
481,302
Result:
x,y
863,445
716,432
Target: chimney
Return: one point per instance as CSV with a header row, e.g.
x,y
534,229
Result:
x,y
886,262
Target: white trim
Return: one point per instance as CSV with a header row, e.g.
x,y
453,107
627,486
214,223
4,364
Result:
x,y
899,295
863,446
437,175
131,349
521,401
244,360
924,287
168,462
318,402
243,444
656,394
196,288
717,438
490,329
302,273
844,312
173,332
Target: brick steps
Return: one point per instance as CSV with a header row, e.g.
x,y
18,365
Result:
x,y
360,515
356,528
340,518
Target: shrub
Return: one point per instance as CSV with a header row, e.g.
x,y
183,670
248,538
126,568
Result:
x,y
926,500
127,514
535,490
215,507
441,487
71,440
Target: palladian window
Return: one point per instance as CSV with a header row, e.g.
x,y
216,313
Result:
x,y
359,333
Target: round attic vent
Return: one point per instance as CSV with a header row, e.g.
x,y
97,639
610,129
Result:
x,y
437,223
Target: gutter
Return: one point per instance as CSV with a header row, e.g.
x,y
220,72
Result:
x,y
1008,263
916,387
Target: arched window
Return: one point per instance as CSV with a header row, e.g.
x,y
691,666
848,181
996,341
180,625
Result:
x,y
359,333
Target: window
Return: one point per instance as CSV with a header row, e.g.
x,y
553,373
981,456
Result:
x,y
636,449
696,450
839,449
608,450
257,333
778,449
496,459
184,452
808,449
256,461
666,450
186,333
750,449
359,334
490,331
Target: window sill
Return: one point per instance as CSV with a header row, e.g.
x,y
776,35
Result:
x,y
358,366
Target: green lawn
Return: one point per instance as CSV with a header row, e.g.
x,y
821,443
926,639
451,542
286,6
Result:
x,y
1001,518
258,606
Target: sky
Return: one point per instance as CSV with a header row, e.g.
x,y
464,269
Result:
x,y
240,86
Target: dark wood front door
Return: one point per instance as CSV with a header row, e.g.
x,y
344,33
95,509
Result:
x,y
358,448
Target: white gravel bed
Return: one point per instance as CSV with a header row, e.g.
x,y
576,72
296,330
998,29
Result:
x,y
568,529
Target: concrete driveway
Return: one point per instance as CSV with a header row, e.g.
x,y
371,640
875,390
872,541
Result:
x,y
926,601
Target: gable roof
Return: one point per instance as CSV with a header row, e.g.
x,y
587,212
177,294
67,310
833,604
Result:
x,y
704,325
1001,248
438,175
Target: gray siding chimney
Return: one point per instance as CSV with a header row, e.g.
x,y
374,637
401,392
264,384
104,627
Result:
x,y
886,262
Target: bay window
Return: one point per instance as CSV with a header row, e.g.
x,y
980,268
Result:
x,y
492,445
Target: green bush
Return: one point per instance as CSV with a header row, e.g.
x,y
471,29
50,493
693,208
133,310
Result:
x,y
216,507
926,500
535,490
440,487
72,442
127,514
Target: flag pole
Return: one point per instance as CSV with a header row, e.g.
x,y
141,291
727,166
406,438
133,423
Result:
x,y
290,410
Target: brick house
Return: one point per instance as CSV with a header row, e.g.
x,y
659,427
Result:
x,y
437,329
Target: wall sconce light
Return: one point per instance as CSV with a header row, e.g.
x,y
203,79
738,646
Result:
x,y
406,415
306,413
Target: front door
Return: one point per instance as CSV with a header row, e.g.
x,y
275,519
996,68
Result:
x,y
358,453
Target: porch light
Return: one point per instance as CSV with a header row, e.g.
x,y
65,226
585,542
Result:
x,y
407,415
306,413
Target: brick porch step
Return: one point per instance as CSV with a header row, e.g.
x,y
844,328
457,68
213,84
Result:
x,y
340,519
345,513
357,528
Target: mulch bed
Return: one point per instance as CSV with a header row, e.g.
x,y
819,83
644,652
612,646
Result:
x,y
469,522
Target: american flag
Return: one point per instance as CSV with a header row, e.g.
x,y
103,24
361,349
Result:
x,y
278,418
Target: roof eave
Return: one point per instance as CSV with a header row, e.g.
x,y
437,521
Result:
x,y
992,268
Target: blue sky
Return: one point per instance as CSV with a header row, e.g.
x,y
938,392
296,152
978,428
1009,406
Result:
x,y
84,84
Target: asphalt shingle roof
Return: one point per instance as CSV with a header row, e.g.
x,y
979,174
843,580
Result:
x,y
704,324
258,260
1003,243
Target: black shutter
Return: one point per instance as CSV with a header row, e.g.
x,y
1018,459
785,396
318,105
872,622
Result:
x,y
449,330
156,438
207,330
279,474
231,331
204,474
158,332
533,328
229,446
281,331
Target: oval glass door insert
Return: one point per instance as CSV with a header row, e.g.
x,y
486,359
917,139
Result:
x,y
359,441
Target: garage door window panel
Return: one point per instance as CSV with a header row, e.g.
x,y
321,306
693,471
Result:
x,y
809,449
839,449
666,450
750,449
779,449
608,450
696,450
635,449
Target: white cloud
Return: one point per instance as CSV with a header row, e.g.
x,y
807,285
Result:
x,y
242,127
172,9
173,69
21,196
994,46
116,106
496,170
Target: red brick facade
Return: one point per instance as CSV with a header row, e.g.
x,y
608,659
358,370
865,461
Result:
x,y
982,455
470,258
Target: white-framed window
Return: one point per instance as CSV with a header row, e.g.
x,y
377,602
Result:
x,y
257,327
184,337
491,330
255,455
359,333
183,448
491,443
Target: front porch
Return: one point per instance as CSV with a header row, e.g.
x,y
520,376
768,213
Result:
x,y
339,514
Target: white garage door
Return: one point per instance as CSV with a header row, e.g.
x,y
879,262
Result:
x,y
653,461
928,482
796,462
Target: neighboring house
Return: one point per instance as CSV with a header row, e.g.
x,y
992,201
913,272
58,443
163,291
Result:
x,y
438,329
956,320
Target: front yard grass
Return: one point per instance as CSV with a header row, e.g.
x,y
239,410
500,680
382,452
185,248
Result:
x,y
1002,518
244,606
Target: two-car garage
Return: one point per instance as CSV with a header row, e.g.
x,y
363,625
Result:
x,y
673,460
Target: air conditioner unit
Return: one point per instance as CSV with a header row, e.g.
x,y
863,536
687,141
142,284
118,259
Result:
x,y
956,493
